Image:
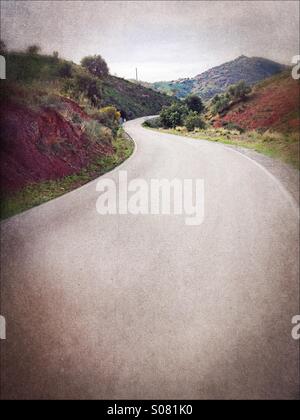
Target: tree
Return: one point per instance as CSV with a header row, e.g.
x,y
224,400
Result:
x,y
173,115
86,85
96,65
33,49
235,93
194,103
220,103
193,120
89,86
239,91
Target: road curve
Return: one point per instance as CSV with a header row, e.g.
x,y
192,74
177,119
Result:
x,y
133,307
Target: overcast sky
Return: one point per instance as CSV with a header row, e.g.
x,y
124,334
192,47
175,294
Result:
x,y
165,40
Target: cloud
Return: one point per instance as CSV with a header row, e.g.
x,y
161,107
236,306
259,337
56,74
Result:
x,y
166,39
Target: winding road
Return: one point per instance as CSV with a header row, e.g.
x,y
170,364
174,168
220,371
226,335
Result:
x,y
145,306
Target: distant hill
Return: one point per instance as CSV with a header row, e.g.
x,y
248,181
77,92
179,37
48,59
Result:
x,y
272,105
217,79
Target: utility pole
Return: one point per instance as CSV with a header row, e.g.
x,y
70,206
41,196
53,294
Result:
x,y
136,74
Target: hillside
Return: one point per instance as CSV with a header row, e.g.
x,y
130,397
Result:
x,y
272,105
130,99
217,79
41,142
133,100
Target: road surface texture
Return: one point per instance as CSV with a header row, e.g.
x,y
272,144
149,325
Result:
x,y
124,306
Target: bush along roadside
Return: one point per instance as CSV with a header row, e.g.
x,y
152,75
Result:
x,y
37,193
194,119
283,146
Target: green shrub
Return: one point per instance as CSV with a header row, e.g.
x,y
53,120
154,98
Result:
x,y
239,91
84,84
173,115
97,133
193,120
33,49
220,103
108,116
235,93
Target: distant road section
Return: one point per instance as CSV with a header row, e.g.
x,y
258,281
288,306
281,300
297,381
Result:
x,y
123,306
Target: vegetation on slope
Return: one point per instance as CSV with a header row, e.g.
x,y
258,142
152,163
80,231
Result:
x,y
78,83
273,104
264,118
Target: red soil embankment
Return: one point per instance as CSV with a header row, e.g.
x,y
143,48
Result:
x,y
42,145
273,105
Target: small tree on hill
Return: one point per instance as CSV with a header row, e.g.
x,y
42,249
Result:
x,y
2,46
90,86
33,49
194,103
84,86
220,103
239,91
96,65
65,69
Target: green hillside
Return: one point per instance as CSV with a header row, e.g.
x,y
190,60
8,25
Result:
x,y
72,80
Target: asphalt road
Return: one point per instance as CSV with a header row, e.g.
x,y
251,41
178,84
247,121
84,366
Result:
x,y
124,306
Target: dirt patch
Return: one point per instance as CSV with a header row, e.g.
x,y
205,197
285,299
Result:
x,y
39,145
271,106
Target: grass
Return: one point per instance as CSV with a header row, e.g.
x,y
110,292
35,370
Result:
x,y
283,146
38,193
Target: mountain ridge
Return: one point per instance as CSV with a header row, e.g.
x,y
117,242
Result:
x,y
218,78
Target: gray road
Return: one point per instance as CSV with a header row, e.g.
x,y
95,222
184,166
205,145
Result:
x,y
146,306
